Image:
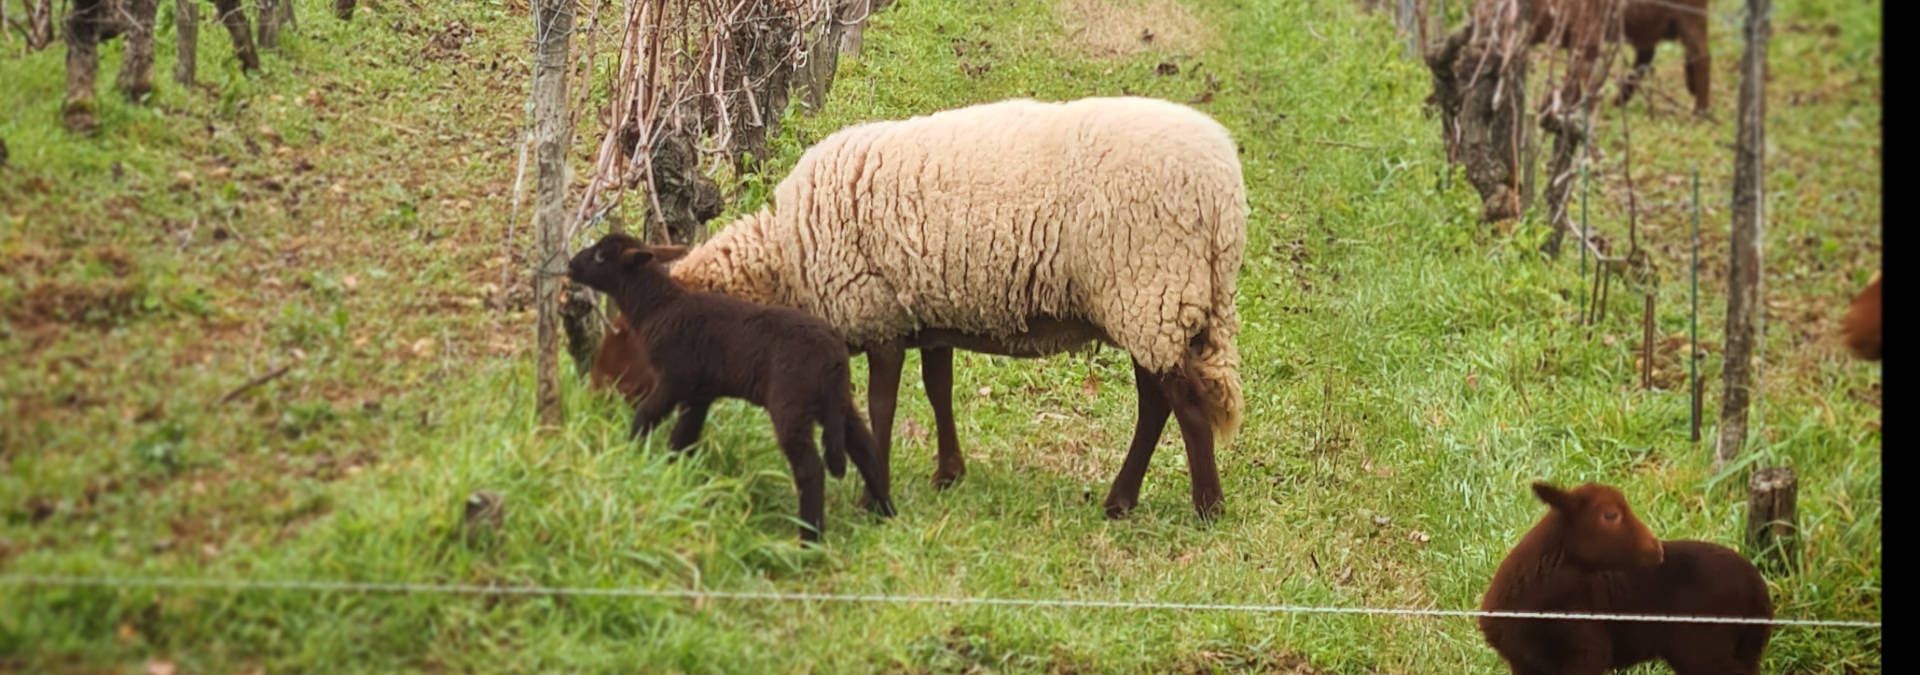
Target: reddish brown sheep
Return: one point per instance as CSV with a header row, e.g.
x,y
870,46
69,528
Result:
x,y
621,364
1646,24
1590,554
1862,324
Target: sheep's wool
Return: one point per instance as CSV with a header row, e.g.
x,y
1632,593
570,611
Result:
x,y
1126,213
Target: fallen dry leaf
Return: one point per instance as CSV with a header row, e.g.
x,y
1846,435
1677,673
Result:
x,y
159,667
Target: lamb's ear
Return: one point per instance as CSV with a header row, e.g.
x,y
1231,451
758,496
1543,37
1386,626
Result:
x,y
634,256
1556,498
669,253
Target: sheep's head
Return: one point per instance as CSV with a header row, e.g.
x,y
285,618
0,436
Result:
x,y
1600,530
616,257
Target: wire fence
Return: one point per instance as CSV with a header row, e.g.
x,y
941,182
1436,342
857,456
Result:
x,y
700,595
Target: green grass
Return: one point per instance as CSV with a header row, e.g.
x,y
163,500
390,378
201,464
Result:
x,y
1402,361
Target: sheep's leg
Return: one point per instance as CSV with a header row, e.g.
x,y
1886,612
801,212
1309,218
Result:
x,y
1642,63
1152,419
795,433
1693,36
686,428
884,362
1586,649
1190,411
653,408
936,369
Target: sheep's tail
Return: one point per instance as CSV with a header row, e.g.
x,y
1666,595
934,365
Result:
x,y
833,432
1214,364
1212,359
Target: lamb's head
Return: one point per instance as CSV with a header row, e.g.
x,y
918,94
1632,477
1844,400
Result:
x,y
618,259
1599,530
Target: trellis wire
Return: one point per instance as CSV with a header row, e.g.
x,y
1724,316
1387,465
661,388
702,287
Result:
x,y
873,598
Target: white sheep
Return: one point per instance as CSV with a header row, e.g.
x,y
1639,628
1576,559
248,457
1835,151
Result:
x,y
1019,228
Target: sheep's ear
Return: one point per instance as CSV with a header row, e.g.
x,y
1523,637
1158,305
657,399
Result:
x,y
634,256
1556,498
670,253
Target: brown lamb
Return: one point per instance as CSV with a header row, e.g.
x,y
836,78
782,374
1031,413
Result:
x,y
1590,554
707,346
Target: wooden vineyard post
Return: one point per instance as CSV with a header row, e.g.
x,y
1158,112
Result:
x,y
1743,283
553,31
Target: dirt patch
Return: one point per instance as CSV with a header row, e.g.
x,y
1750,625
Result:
x,y
1114,28
98,304
1250,661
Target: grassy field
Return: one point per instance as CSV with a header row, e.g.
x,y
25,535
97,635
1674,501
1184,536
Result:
x,y
1408,370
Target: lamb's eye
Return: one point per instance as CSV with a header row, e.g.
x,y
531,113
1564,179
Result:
x,y
599,256
1611,516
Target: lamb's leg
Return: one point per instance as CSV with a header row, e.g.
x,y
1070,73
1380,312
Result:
x,y
686,428
936,369
884,362
653,408
1190,411
1642,63
795,433
878,496
1152,419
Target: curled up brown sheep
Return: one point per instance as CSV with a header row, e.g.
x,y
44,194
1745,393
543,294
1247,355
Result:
x,y
1591,555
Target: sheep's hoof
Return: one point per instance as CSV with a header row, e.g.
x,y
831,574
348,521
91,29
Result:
x,y
1209,512
945,479
1118,510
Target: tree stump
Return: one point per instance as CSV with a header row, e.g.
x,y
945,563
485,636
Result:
x,y
1481,94
234,17
186,27
84,23
267,24
1773,531
136,66
484,512
582,328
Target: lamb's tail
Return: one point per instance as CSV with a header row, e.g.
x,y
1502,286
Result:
x,y
833,433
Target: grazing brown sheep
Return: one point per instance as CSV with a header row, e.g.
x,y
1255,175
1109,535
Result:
x,y
1862,324
1590,554
1645,23
707,346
